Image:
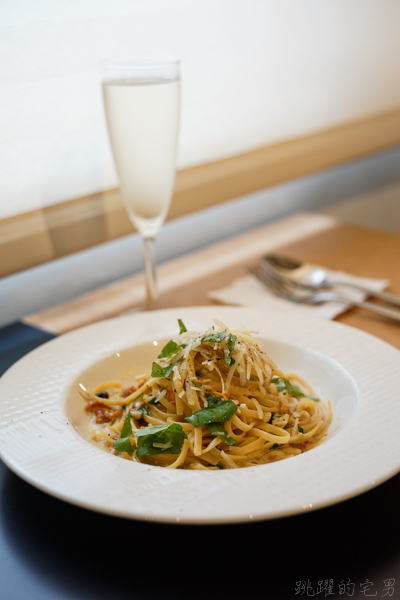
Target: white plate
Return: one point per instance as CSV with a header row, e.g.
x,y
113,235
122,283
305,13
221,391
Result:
x,y
43,435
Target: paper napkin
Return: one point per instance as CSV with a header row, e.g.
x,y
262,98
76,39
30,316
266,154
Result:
x,y
248,291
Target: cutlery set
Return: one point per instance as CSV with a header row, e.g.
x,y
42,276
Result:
x,y
310,284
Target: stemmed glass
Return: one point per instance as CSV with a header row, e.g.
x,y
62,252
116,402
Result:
x,y
141,100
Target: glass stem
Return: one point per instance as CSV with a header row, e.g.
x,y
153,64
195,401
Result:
x,y
150,273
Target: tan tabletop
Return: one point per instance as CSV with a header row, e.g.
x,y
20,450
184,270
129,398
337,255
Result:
x,y
186,281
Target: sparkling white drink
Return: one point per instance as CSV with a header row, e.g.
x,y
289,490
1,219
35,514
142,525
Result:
x,y
142,118
141,99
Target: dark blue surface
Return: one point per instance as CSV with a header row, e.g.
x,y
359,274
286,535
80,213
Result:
x,y
51,550
18,339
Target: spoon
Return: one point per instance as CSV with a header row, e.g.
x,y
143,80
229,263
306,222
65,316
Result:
x,y
313,276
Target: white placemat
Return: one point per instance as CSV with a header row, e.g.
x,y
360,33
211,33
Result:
x,y
248,291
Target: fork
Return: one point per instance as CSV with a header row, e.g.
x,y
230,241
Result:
x,y
288,291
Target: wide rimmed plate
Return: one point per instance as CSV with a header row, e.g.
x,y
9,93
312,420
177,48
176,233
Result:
x,y
43,437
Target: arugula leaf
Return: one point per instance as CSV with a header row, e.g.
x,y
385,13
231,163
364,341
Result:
x,y
160,439
124,444
168,370
218,411
215,337
219,430
169,349
274,446
158,371
284,384
153,401
182,328
126,430
213,401
300,429
228,350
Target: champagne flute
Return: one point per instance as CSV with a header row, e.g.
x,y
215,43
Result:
x,y
141,100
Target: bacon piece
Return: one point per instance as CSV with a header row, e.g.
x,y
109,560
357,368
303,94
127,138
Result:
x,y
105,416
102,416
129,391
95,405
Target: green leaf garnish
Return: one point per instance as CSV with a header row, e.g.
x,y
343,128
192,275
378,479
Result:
x,y
219,430
300,429
182,328
160,439
215,337
169,349
153,401
218,411
124,444
168,370
284,384
126,430
213,401
198,373
228,350
158,371
274,446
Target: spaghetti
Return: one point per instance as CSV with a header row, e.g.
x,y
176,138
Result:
x,y
214,400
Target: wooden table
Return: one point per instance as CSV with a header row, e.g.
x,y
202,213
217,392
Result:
x,y
50,549
186,281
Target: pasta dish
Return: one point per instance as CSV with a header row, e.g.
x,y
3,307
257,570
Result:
x,y
212,400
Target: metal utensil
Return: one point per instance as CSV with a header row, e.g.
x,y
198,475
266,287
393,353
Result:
x,y
314,277
284,289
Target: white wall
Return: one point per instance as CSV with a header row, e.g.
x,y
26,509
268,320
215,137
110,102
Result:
x,y
254,72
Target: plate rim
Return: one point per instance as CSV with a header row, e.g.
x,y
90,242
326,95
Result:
x,y
209,312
